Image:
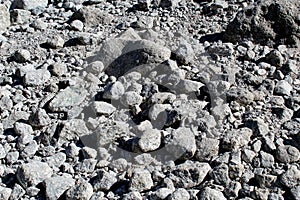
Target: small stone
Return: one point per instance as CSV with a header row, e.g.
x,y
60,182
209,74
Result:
x,y
40,118
182,143
39,24
32,191
168,3
141,180
22,128
88,152
30,174
179,194
22,56
103,108
207,148
72,129
161,193
11,157
77,25
2,152
296,192
211,194
4,17
266,160
59,69
144,22
104,180
19,16
114,91
81,191
236,139
189,174
287,154
17,192
233,189
220,174
56,160
131,99
36,77
5,193
291,177
119,165
29,5
133,196
275,58
56,42
265,180
144,5
68,97
150,140
185,53
57,185
283,88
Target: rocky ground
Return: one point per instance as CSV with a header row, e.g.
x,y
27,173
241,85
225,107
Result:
x,y
141,99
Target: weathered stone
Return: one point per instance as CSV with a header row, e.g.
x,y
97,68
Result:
x,y
291,177
104,180
150,140
287,154
30,174
4,17
207,148
81,191
29,5
189,174
103,108
57,185
141,180
211,194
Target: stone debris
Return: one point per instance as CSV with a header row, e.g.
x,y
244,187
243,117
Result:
x,y
149,99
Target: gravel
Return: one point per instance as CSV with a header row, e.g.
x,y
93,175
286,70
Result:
x,y
142,99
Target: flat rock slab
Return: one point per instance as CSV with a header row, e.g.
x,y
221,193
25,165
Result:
x,y
66,98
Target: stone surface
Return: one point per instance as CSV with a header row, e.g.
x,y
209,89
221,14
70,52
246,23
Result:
x,y
57,185
141,180
80,191
30,174
29,5
4,17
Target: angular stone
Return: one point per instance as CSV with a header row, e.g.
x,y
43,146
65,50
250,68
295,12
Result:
x,y
150,140
4,17
57,185
181,144
211,194
179,194
72,129
141,180
287,154
36,77
81,191
103,108
189,174
68,97
104,180
283,88
5,193
291,177
207,148
30,174
20,17
29,5
22,55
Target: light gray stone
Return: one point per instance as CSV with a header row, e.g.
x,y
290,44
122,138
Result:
x,y
141,180
22,55
4,17
57,185
36,77
5,193
82,190
179,194
211,194
28,4
291,177
283,88
207,148
150,140
104,180
103,108
287,154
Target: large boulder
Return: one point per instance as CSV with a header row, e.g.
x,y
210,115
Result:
x,y
270,23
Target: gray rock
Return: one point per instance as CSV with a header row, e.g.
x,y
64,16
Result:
x,y
119,165
11,157
22,128
232,189
17,192
56,42
92,16
40,118
2,152
241,95
182,143
36,77
291,177
283,88
88,152
68,97
179,194
236,139
20,17
4,17
161,193
86,166
207,148
72,129
211,194
104,180
22,55
131,99
103,108
266,159
56,160
132,196
267,23
275,58
296,192
287,154
143,22
38,24
57,185
265,180
30,174
82,190
28,4
5,193
189,174
220,174
185,53
77,25
32,191
168,3
114,91
150,140
59,69
144,4
141,180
